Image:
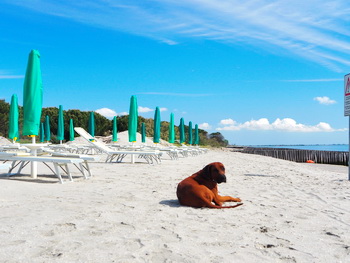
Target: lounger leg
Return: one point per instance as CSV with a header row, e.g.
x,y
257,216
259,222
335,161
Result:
x,y
68,173
88,168
20,167
58,173
82,169
13,166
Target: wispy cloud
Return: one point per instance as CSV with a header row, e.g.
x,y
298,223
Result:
x,y
313,80
177,94
317,30
11,76
286,125
325,100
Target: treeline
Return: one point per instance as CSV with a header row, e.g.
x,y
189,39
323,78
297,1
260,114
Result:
x,y
103,126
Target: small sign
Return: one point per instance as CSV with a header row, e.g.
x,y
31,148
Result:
x,y
347,95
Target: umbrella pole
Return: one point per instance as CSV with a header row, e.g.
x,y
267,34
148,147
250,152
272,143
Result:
x,y
133,155
34,165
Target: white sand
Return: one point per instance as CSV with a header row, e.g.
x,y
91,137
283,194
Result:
x,y
129,213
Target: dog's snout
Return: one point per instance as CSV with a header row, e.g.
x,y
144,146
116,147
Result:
x,y
222,179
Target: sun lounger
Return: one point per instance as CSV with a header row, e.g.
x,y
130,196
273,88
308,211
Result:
x,y
15,147
83,166
58,162
5,166
151,156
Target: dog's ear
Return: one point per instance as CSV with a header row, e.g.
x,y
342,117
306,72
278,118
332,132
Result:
x,y
207,172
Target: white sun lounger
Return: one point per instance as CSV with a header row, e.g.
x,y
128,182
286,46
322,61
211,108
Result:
x,y
83,166
151,156
5,166
58,162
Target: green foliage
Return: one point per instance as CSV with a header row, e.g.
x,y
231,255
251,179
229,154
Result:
x,y
103,125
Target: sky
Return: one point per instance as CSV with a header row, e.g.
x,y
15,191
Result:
x,y
260,72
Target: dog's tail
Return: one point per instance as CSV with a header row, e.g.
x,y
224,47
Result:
x,y
219,207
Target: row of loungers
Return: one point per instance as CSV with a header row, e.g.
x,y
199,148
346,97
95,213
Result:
x,y
58,157
14,162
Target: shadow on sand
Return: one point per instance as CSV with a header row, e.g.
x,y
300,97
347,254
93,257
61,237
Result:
x,y
261,175
171,203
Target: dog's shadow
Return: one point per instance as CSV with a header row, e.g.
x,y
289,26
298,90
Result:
x,y
261,175
171,203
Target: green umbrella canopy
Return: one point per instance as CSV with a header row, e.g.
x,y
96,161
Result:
x,y
156,126
196,135
32,95
143,132
42,132
47,128
190,133
133,115
13,122
92,124
115,130
182,130
171,129
60,126
71,130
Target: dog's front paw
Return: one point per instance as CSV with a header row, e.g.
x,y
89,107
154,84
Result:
x,y
237,200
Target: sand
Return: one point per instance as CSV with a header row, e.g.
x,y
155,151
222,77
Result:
x,y
129,213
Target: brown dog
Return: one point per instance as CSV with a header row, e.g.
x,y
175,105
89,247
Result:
x,y
201,189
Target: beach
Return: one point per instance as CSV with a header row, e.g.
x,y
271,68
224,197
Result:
x,y
292,212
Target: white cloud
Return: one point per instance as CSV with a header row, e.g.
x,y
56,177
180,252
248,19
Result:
x,y
144,109
321,36
227,122
325,100
286,124
108,113
123,113
204,126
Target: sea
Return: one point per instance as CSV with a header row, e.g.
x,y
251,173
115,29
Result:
x,y
319,147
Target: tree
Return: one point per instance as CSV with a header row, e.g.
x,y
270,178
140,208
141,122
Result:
x,y
102,124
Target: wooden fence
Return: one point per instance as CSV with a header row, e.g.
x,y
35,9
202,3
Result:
x,y
301,156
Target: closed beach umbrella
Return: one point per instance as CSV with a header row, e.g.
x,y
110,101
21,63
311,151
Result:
x,y
171,129
115,130
32,103
92,124
42,132
133,115
60,126
32,96
190,133
143,132
71,130
182,130
156,134
13,122
47,128
196,135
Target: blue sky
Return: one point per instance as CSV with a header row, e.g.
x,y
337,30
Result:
x,y
259,72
